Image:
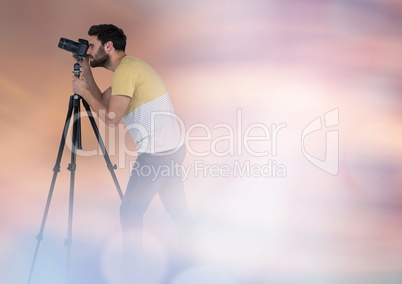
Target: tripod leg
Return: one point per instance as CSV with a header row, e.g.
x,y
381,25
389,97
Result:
x,y
103,148
77,120
56,170
72,167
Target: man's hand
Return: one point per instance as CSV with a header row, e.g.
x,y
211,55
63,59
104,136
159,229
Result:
x,y
85,67
80,86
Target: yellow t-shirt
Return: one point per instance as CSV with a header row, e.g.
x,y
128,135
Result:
x,y
138,80
149,116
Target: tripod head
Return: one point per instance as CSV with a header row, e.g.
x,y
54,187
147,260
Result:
x,y
77,70
75,103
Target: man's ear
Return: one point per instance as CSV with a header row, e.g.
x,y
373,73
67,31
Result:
x,y
109,46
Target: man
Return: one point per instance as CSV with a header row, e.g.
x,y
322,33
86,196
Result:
x,y
138,96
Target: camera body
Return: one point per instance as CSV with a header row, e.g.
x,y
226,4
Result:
x,y
79,48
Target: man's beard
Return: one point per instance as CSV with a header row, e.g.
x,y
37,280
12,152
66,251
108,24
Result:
x,y
101,59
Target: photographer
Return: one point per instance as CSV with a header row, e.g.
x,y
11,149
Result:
x,y
135,93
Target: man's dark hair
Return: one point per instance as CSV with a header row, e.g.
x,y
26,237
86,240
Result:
x,y
111,33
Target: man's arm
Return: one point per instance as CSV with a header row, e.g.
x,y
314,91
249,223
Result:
x,y
109,108
89,79
86,71
112,112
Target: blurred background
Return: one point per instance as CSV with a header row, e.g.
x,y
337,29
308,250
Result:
x,y
277,63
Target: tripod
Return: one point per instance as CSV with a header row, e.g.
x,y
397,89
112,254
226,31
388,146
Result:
x,y
73,112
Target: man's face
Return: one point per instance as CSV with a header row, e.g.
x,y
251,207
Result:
x,y
97,54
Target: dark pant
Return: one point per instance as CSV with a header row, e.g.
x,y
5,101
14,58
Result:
x,y
152,174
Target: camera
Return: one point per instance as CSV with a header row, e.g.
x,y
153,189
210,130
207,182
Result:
x,y
78,48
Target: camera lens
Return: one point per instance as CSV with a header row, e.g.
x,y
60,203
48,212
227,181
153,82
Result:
x,y
68,45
